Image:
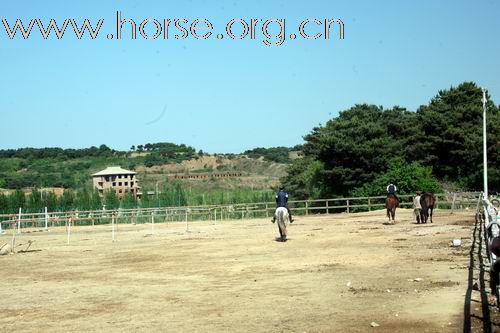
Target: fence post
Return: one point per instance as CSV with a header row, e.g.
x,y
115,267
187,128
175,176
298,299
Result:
x,y
19,221
113,227
347,206
327,208
369,205
267,213
307,208
187,223
46,219
453,202
13,239
68,229
152,222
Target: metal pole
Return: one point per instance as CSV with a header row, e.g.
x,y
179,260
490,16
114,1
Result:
x,y
157,197
152,223
113,227
485,159
19,222
46,219
68,229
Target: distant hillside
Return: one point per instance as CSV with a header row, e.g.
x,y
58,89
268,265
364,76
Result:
x,y
255,172
71,168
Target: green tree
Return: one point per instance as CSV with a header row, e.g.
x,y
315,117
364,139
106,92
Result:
x,y
307,181
35,203
111,200
83,200
67,201
451,139
17,200
180,195
4,204
128,201
351,149
95,201
408,178
50,201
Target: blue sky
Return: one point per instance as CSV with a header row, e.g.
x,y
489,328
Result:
x,y
232,95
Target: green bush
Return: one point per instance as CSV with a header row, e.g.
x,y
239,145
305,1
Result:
x,y
408,179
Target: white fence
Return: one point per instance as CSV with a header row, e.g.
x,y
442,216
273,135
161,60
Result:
x,y
451,201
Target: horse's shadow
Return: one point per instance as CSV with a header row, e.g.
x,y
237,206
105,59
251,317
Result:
x,y
278,239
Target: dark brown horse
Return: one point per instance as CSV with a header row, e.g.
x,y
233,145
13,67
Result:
x,y
391,202
427,201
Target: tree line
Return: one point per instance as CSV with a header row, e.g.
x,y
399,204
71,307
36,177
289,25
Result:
x,y
366,147
172,194
71,168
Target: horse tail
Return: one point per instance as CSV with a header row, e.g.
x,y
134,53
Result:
x,y
281,216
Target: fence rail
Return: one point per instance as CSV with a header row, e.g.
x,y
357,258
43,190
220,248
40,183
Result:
x,y
451,201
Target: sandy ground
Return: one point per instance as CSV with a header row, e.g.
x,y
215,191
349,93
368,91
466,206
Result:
x,y
337,273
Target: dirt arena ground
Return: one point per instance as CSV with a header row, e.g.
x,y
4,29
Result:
x,y
337,273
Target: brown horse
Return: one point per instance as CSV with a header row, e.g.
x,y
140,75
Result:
x,y
391,202
427,201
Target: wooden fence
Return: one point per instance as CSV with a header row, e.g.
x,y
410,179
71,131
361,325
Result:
x,y
450,201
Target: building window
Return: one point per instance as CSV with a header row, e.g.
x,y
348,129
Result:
x,y
120,191
120,184
106,178
126,183
114,184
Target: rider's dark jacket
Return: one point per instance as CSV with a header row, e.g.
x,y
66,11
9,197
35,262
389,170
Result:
x,y
391,189
281,199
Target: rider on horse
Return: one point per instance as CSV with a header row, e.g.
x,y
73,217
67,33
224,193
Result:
x,y
391,189
282,201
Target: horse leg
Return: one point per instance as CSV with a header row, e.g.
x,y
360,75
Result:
x,y
283,234
282,226
431,213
